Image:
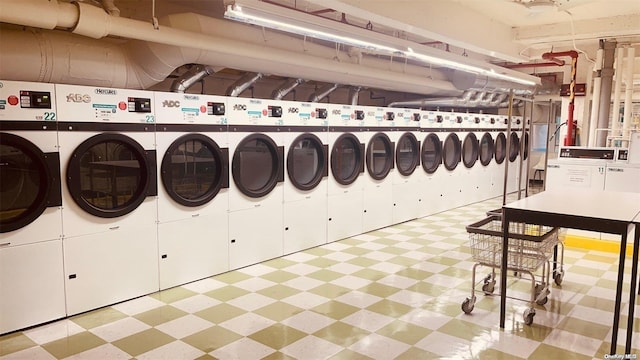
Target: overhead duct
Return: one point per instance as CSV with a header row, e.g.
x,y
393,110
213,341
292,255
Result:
x,y
354,94
323,92
470,99
191,77
285,88
243,84
181,39
468,81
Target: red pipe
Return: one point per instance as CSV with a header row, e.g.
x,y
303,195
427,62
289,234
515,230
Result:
x,y
533,65
570,139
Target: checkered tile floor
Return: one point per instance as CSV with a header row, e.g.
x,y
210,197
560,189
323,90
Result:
x,y
391,293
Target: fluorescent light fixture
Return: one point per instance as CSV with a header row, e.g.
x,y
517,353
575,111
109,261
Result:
x,y
299,23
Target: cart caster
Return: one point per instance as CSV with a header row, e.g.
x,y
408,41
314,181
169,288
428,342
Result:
x,y
542,301
558,276
528,316
467,305
488,288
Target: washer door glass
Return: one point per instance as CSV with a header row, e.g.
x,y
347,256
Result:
x,y
451,151
486,149
306,162
257,164
501,148
108,175
346,159
525,149
407,158
431,153
27,181
514,145
470,150
379,156
194,169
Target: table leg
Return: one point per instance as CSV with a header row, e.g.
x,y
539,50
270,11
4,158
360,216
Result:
x,y
632,293
503,266
616,310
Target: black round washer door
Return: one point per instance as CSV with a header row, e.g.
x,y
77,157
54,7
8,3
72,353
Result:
x,y
514,145
501,148
379,156
431,153
470,150
29,182
346,159
525,149
306,162
451,151
109,175
194,169
257,165
407,154
486,149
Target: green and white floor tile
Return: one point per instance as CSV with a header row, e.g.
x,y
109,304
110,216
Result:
x,y
392,293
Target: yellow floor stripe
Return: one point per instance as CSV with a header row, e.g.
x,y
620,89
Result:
x,y
588,243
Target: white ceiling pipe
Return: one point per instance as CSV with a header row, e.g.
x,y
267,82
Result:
x,y
196,47
595,98
628,104
617,92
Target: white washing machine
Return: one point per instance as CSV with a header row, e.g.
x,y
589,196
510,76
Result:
x,y
579,167
405,176
451,158
305,187
486,154
31,266
514,152
379,162
624,174
108,159
433,187
500,156
193,198
346,181
471,168
256,147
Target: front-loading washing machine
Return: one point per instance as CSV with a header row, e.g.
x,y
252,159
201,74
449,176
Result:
x,y
108,160
514,154
379,161
485,157
470,155
256,148
305,188
624,174
405,176
31,262
346,182
433,186
451,158
500,155
193,198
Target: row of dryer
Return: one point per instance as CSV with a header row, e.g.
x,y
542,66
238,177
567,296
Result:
x,y
109,194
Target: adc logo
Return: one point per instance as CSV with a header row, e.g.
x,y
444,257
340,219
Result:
x,y
241,107
336,112
171,103
293,110
78,98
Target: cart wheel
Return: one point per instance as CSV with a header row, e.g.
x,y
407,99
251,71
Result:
x,y
467,305
538,289
488,288
528,316
558,276
542,301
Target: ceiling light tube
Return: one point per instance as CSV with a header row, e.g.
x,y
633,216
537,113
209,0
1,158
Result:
x,y
287,20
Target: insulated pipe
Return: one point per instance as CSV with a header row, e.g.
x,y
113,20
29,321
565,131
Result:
x,y
243,83
631,56
605,91
191,77
285,88
354,95
595,97
570,140
323,92
535,65
615,119
191,38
